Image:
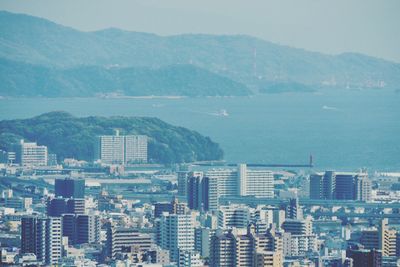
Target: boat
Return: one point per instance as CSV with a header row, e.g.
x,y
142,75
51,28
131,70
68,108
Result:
x,y
223,113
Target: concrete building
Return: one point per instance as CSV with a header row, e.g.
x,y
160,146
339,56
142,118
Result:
x,y
233,216
205,189
31,154
173,207
121,239
298,238
279,216
245,250
369,239
259,183
11,157
353,186
18,203
340,185
176,232
189,258
202,240
28,230
363,188
243,182
268,258
272,240
293,209
322,186
298,245
182,183
365,258
119,149
59,206
387,239
219,183
233,248
81,228
157,255
110,149
297,227
223,249
52,159
42,236
70,188
383,239
135,149
197,191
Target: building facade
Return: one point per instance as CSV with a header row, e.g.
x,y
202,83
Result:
x,y
340,185
31,154
205,189
70,188
176,232
81,228
42,236
121,239
119,149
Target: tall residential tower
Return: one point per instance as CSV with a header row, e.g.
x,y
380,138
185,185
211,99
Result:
x,y
121,149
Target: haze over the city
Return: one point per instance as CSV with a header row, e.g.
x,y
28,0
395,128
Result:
x,y
199,133
333,27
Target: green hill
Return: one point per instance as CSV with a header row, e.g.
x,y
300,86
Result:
x,y
21,79
69,136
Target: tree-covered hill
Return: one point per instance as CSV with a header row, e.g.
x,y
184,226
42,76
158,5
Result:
x,y
21,79
69,136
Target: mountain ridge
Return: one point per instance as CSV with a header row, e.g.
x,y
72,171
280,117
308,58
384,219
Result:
x,y
248,60
21,79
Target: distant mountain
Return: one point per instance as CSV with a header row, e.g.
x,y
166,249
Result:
x,y
245,59
284,87
21,79
69,136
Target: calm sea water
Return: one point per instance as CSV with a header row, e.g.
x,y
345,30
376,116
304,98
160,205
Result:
x,y
343,130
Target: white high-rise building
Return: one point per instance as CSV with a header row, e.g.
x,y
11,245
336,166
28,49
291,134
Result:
x,y
189,259
176,233
232,182
120,238
264,215
259,183
364,187
30,154
135,148
298,237
121,149
387,239
225,180
220,183
233,216
111,149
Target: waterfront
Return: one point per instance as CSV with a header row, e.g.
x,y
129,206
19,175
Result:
x,y
343,129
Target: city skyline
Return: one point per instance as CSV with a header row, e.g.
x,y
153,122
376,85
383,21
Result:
x,y
199,134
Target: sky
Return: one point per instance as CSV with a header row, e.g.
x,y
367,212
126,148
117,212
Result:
x,y
370,27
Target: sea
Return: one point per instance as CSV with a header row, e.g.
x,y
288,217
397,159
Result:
x,y
343,130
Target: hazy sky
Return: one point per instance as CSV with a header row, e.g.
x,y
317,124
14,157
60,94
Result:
x,y
329,26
